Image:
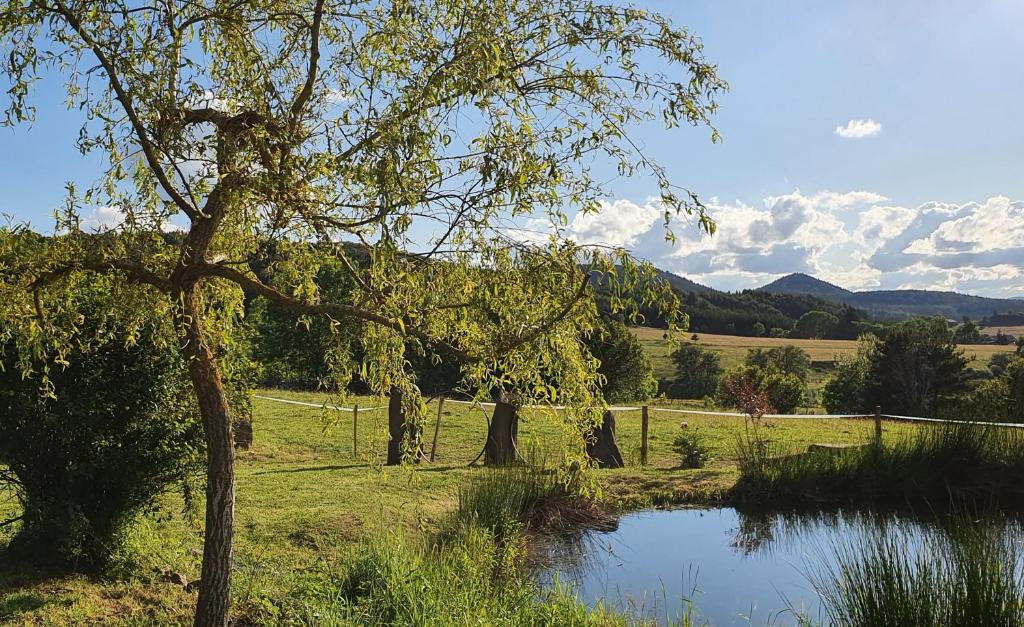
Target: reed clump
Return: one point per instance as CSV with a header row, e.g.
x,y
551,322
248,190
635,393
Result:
x,y
967,574
962,462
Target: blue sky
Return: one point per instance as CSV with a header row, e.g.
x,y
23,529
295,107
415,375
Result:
x,y
923,192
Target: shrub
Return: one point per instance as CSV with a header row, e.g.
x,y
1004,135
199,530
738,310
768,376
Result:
x,y
845,390
697,372
785,359
117,430
693,450
626,371
784,392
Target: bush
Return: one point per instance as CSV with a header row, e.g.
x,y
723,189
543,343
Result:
x,y
784,359
693,450
784,391
697,372
625,369
117,430
845,390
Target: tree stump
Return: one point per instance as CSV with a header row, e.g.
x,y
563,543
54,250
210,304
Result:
x,y
601,446
243,434
500,449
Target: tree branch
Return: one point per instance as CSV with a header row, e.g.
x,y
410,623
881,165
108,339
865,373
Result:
x,y
314,59
148,149
334,310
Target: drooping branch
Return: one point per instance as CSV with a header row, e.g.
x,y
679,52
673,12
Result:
x,y
148,148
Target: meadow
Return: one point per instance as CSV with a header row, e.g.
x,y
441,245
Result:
x,y
733,350
305,500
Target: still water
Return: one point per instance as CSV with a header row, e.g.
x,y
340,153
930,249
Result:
x,y
733,568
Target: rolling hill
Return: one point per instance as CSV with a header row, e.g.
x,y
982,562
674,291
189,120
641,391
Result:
x,y
891,304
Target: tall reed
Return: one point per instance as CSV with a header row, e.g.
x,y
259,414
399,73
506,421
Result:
x,y
968,574
934,464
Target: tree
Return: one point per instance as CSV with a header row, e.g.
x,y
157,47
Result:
x,y
784,359
784,391
626,372
418,131
966,333
914,367
815,325
844,392
116,428
759,329
697,371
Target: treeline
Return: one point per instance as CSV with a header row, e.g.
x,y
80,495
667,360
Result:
x,y
753,313
913,367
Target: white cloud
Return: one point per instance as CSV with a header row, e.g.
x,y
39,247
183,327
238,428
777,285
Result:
x,y
619,223
111,218
857,239
856,129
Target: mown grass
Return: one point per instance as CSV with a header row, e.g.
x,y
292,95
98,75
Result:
x,y
935,464
305,501
968,574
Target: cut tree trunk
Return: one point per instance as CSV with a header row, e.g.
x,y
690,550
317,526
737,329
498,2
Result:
x,y
601,446
500,449
214,604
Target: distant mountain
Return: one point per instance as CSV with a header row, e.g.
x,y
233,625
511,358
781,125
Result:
x,y
801,283
889,304
742,313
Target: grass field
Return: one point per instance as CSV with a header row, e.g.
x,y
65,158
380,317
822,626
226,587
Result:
x,y
304,499
1015,331
733,350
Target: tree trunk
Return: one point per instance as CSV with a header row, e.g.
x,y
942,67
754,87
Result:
x,y
500,449
601,446
214,604
396,427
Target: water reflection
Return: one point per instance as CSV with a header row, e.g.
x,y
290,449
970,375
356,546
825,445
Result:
x,y
734,567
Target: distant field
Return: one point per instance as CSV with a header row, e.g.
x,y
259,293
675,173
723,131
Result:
x,y
1016,331
733,350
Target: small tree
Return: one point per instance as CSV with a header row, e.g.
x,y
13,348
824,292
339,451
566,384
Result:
x,y
966,332
914,367
784,359
697,371
626,372
421,131
783,391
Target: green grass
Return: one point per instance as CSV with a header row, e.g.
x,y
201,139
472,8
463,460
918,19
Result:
x,y
965,575
304,502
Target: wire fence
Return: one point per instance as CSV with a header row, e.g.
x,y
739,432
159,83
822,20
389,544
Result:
x,y
672,410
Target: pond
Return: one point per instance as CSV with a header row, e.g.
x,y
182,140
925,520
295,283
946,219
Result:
x,y
730,568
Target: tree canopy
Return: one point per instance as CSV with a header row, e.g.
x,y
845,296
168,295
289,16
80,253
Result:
x,y
422,132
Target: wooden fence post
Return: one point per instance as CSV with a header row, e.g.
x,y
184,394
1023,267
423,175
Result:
x,y
437,427
643,435
878,425
355,424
